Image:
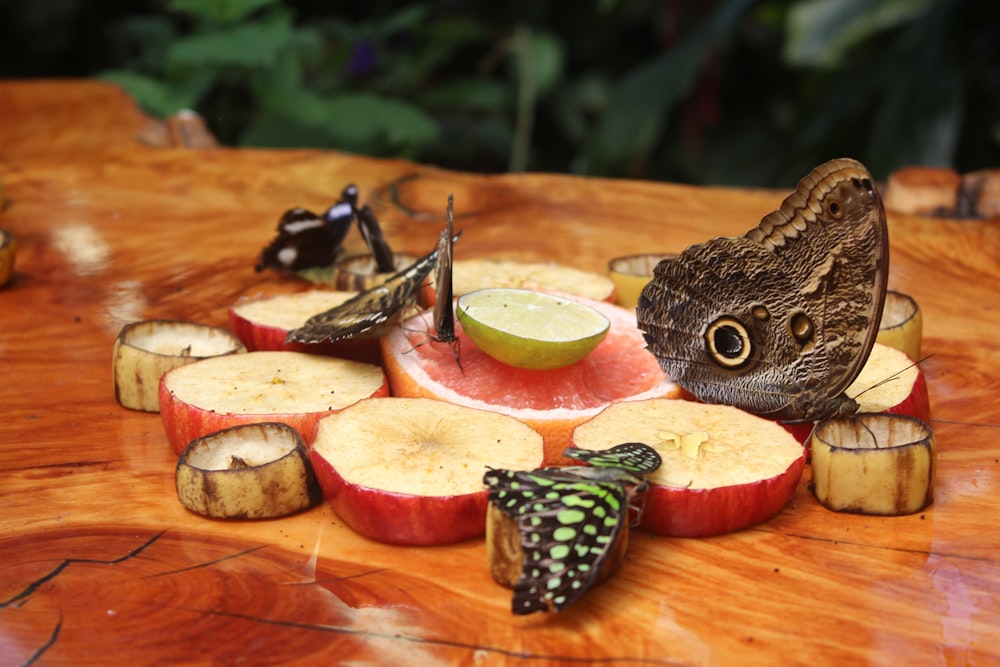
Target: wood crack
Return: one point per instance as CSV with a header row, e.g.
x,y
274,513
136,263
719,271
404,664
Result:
x,y
518,655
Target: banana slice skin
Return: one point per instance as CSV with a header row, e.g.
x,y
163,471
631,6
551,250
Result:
x,y
902,324
250,471
874,463
147,349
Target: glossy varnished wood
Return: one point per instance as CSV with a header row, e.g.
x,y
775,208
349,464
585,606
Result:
x,y
100,564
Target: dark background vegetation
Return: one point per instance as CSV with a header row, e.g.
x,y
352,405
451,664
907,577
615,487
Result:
x,y
701,91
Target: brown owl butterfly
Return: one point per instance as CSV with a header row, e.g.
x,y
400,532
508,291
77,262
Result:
x,y
779,321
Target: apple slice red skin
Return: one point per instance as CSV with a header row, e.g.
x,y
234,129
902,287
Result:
x,y
680,512
402,518
256,336
183,423
916,404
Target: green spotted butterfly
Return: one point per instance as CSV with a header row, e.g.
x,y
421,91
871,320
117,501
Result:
x,y
569,518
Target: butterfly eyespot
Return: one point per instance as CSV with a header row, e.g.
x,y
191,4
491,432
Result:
x,y
761,312
802,327
835,210
728,343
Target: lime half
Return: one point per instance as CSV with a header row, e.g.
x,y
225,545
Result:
x,y
529,329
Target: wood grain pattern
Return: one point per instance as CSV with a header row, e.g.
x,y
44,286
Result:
x,y
100,564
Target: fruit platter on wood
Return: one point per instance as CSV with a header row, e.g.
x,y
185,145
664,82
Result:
x,y
452,418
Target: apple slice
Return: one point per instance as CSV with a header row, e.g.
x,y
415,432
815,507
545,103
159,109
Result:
x,y
474,274
723,469
250,471
874,464
8,249
263,324
145,350
410,470
290,387
890,381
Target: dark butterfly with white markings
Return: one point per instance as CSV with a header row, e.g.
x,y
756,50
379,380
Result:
x,y
779,321
569,519
306,240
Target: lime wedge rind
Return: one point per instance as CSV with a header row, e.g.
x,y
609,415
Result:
x,y
530,329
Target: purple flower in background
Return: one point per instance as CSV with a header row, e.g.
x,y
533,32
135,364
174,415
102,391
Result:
x,y
364,58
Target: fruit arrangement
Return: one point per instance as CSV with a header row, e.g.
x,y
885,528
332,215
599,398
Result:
x,y
506,404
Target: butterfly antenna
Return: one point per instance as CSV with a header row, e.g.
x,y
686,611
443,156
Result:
x,y
894,376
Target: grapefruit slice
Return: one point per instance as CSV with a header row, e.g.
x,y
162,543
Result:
x,y
552,402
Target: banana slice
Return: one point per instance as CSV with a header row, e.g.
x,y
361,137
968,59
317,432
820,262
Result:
x,y
630,273
145,350
8,249
902,324
355,273
250,471
874,463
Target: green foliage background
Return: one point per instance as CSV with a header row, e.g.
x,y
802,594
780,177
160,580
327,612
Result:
x,y
706,91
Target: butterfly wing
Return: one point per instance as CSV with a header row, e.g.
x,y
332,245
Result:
x,y
444,311
779,321
635,457
371,231
305,240
568,525
369,312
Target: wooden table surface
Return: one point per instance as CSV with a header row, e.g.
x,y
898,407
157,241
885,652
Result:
x,y
100,564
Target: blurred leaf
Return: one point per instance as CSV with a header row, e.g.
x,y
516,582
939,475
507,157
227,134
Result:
x,y
220,11
578,103
408,18
481,94
540,57
150,36
158,97
356,121
640,103
820,32
254,44
919,119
